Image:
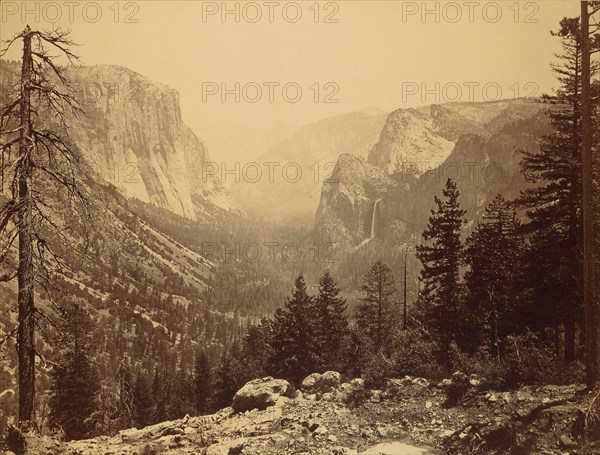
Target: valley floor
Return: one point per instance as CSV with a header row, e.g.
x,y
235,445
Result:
x,y
410,412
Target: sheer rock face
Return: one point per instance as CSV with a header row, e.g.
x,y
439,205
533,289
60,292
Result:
x,y
409,140
134,137
309,155
476,144
346,208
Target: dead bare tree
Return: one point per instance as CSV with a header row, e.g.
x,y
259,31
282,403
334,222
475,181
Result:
x,y
40,168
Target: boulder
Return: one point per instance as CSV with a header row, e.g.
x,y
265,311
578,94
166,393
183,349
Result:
x,y
330,380
321,383
310,381
261,393
353,392
358,382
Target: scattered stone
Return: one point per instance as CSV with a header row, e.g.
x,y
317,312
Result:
x,y
445,383
491,398
474,382
237,447
358,382
327,396
312,426
170,431
393,386
321,430
294,426
376,396
421,382
566,442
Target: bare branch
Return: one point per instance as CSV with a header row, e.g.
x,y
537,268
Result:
x,y
7,277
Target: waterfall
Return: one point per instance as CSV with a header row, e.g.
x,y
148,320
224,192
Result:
x,y
372,233
373,219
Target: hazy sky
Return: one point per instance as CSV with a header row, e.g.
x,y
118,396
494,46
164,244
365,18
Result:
x,y
372,53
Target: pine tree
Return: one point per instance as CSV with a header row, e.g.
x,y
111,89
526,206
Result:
x,y
590,41
492,254
126,407
182,402
256,350
142,401
331,325
158,392
202,382
554,202
375,316
36,156
74,378
227,377
441,259
105,419
293,345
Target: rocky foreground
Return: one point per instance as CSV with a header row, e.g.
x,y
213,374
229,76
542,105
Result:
x,y
328,417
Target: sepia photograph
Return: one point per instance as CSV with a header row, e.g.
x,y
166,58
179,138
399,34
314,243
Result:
x,y
304,227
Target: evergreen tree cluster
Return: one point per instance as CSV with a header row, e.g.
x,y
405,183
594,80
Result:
x,y
502,297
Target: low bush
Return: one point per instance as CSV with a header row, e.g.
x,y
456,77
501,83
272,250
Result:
x,y
526,360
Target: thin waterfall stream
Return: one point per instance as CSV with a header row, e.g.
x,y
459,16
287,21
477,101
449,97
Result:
x,y
373,225
373,219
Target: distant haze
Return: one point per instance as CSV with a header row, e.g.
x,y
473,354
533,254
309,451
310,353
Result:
x,y
373,49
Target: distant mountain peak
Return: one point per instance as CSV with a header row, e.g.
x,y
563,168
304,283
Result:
x,y
134,137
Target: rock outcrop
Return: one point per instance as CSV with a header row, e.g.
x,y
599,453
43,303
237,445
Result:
x,y
261,393
303,161
133,135
476,144
409,416
347,200
411,142
321,383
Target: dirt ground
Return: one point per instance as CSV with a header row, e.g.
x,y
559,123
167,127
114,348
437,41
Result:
x,y
531,420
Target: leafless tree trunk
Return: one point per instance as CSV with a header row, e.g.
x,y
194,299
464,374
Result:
x,y
494,326
590,303
35,123
404,323
25,275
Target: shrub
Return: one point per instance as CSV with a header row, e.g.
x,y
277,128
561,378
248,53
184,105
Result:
x,y
377,370
15,440
414,354
409,352
526,360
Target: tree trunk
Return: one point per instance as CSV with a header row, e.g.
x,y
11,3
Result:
x,y
405,290
575,240
589,302
569,340
25,335
380,312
